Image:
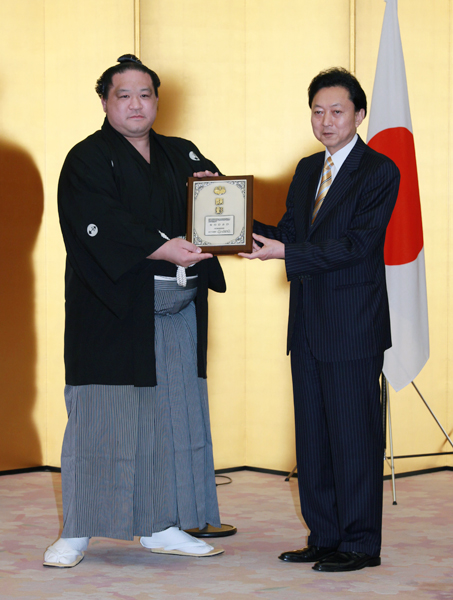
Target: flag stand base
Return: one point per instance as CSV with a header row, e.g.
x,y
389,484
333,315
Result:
x,y
385,403
386,418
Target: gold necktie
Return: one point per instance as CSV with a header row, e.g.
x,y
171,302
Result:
x,y
324,187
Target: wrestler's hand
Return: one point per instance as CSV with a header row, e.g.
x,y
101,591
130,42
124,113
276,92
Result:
x,y
179,252
269,249
206,174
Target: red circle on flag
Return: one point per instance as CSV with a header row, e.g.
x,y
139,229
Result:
x,y
404,237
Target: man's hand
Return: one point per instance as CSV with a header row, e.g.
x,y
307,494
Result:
x,y
270,249
206,174
179,252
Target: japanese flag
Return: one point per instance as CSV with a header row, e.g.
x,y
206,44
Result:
x,y
390,132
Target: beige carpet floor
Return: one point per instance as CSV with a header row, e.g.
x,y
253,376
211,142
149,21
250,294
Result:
x,y
417,553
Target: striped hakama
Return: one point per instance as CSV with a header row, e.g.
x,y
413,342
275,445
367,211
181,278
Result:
x,y
137,460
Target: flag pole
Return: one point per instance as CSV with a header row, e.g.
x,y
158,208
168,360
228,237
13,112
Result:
x,y
385,398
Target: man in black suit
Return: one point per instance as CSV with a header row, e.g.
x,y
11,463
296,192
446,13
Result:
x,y
332,240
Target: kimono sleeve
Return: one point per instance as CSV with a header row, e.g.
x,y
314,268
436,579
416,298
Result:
x,y
96,219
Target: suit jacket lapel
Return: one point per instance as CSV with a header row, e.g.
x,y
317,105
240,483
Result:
x,y
311,191
341,183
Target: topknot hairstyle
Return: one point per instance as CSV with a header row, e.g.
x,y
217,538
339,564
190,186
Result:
x,y
127,62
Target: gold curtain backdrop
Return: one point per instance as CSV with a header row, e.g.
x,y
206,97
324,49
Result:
x,y
234,79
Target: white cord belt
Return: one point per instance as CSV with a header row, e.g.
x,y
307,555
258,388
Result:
x,y
181,278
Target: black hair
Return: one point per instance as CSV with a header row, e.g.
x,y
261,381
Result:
x,y
127,62
338,77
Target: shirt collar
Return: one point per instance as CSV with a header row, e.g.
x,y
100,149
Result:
x,y
339,157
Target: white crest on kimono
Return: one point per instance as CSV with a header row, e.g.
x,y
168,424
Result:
x,y
193,156
92,229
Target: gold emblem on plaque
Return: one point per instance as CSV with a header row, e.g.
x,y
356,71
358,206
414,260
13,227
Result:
x,y
219,210
220,189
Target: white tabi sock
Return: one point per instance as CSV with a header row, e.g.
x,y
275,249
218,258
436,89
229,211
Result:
x,y
66,552
174,538
79,543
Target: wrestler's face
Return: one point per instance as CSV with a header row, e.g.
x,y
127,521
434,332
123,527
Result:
x,y
131,105
334,118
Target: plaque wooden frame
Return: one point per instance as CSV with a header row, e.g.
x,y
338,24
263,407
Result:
x,y
220,213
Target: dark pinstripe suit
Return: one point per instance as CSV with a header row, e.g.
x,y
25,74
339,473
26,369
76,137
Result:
x,y
338,330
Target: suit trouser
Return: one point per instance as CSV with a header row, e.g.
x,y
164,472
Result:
x,y
339,445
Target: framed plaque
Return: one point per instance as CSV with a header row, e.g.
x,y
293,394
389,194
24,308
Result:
x,y
220,213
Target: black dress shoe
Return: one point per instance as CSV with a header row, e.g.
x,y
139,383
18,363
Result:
x,y
346,561
308,554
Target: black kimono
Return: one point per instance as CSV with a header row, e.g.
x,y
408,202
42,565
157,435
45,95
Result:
x,y
112,205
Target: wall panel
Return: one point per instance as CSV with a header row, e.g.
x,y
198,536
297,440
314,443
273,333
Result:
x,y
72,111
234,80
200,56
52,53
284,51
22,251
